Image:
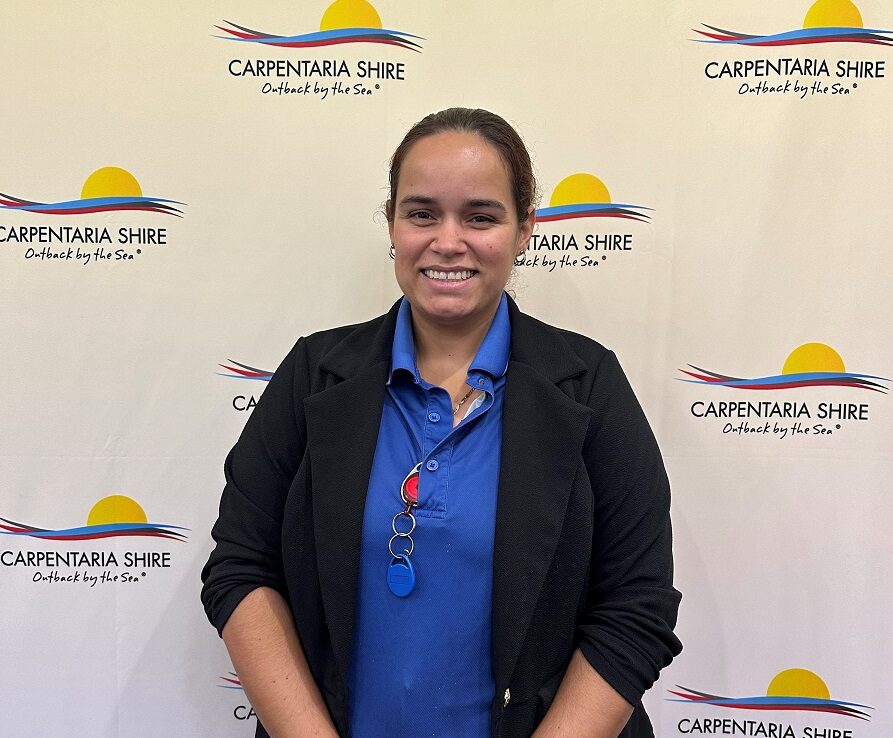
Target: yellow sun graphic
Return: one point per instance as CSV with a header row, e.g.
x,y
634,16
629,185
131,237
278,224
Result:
x,y
813,357
116,509
578,189
111,182
798,683
833,14
350,14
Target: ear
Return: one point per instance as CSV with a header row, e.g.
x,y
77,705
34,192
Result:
x,y
525,230
389,216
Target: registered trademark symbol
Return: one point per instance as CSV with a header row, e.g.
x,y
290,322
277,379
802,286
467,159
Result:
x,y
139,251
377,87
855,85
837,426
143,574
604,256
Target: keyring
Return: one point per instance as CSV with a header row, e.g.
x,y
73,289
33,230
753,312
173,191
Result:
x,y
401,573
409,515
405,553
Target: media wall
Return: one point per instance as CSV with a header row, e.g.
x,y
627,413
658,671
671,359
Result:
x,y
186,188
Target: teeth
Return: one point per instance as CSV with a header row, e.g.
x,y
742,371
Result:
x,y
448,276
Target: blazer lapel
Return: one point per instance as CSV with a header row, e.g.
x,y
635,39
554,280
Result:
x,y
342,432
543,434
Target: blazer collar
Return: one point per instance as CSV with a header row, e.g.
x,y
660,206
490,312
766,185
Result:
x,y
542,348
366,345
543,434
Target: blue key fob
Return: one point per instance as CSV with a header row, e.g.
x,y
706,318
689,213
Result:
x,y
401,576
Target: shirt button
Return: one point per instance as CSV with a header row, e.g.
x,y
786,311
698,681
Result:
x,y
434,417
481,381
432,465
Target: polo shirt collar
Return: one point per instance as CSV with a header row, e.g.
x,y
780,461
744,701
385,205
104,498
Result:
x,y
492,357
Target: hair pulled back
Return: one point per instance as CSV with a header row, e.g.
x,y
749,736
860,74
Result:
x,y
492,128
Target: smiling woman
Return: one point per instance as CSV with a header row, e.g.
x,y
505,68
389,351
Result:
x,y
455,233
476,511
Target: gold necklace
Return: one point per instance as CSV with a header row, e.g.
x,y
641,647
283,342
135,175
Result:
x,y
462,401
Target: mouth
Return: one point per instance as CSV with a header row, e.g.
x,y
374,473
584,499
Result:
x,y
458,275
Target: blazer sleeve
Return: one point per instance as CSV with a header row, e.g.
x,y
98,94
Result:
x,y
259,472
626,632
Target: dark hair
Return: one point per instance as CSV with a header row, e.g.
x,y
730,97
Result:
x,y
489,126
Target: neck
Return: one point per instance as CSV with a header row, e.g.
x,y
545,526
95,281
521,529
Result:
x,y
444,352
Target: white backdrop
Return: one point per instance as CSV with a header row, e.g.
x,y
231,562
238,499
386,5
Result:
x,y
768,231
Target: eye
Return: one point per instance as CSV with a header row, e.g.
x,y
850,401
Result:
x,y
420,215
481,219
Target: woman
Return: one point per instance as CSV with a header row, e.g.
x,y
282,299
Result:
x,y
452,520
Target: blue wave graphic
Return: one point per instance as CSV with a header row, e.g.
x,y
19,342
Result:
x,y
95,529
324,35
773,701
91,202
800,34
587,208
789,379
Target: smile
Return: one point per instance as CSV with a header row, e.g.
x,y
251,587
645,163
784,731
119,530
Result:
x,y
449,276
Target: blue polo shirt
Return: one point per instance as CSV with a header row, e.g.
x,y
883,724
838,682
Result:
x,y
421,664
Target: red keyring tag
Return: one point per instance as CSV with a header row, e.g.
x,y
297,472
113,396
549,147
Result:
x,y
409,490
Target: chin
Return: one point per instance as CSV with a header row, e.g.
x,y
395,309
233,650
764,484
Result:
x,y
448,311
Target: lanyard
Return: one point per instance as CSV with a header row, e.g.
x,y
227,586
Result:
x,y
401,573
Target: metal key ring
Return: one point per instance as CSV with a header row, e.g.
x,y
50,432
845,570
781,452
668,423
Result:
x,y
403,513
405,552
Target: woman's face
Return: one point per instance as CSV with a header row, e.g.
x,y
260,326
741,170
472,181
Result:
x,y
454,228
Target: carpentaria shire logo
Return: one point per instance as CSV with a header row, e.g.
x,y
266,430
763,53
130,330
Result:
x,y
114,516
328,71
810,365
108,191
242,710
582,226
235,370
794,690
813,365
798,62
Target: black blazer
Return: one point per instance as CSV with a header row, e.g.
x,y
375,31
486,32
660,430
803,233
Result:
x,y
582,550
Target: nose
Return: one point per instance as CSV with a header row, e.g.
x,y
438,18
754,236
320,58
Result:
x,y
450,238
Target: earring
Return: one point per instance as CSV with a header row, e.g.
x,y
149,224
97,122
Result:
x,y
392,252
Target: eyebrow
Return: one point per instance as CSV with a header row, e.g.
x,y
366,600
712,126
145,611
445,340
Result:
x,y
493,204
424,200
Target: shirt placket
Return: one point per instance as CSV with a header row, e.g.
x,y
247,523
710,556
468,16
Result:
x,y
437,446
439,439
